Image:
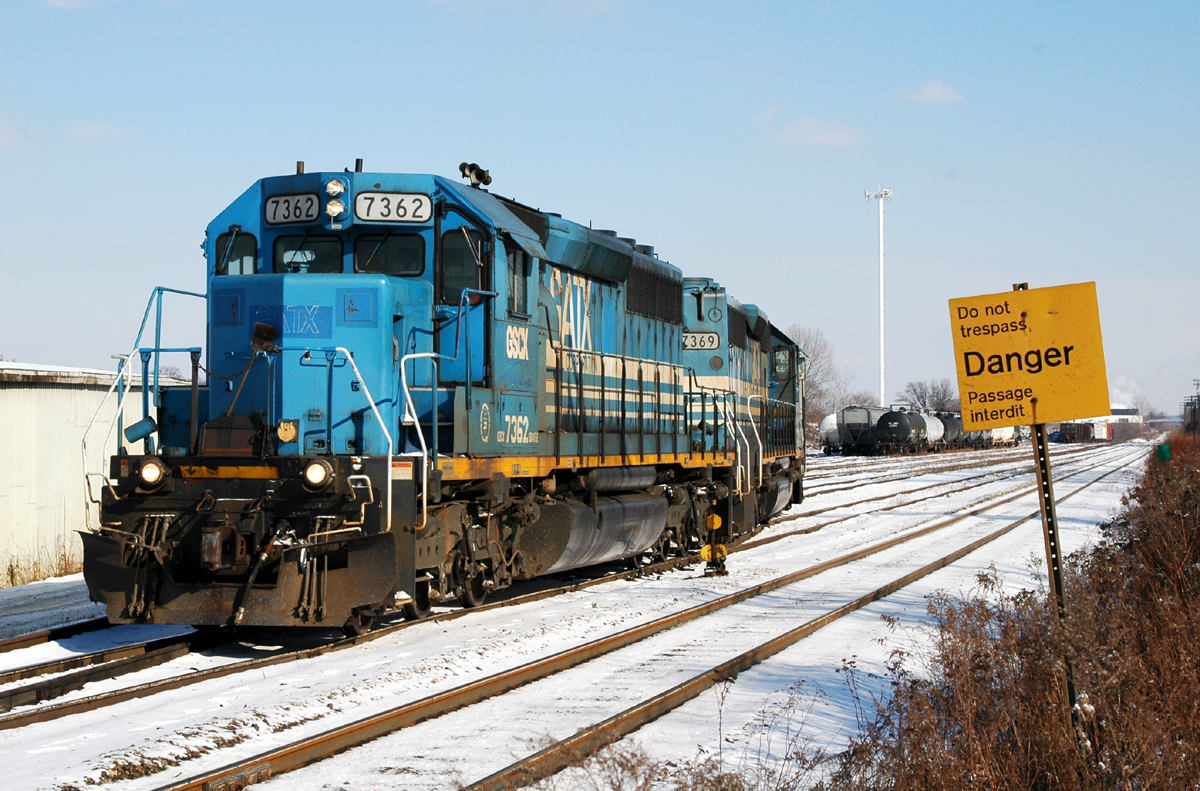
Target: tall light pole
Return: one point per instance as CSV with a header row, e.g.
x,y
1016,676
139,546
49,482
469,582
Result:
x,y
881,196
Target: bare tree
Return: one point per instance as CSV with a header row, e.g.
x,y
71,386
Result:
x,y
936,395
1146,409
827,388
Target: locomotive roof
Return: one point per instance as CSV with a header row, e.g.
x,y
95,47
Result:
x,y
569,244
543,235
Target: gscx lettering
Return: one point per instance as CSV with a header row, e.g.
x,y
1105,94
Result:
x,y
517,342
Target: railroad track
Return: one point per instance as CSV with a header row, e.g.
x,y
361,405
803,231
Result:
x,y
552,759
901,472
121,660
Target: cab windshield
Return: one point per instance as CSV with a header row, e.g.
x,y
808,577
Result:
x,y
308,253
390,254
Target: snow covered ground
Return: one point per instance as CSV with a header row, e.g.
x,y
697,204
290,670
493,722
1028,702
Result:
x,y
43,605
208,725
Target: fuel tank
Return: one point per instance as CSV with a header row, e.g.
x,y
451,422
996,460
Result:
x,y
571,534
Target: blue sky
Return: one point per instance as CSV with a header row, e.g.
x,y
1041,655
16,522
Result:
x,y
1048,143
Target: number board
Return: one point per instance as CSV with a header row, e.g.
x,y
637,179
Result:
x,y
282,209
1028,357
701,340
393,207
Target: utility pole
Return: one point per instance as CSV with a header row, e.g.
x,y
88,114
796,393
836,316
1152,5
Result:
x,y
881,195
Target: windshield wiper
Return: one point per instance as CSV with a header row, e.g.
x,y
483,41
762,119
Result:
x,y
294,262
366,265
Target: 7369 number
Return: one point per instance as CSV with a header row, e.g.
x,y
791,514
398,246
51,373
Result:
x,y
701,340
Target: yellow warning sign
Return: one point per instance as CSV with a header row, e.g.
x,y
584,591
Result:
x,y
1026,357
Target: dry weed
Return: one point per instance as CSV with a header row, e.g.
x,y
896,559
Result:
x,y
986,710
56,561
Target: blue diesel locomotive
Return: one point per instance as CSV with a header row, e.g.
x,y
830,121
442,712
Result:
x,y
418,390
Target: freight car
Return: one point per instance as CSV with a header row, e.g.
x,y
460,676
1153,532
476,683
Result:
x,y
831,440
418,391
856,427
864,431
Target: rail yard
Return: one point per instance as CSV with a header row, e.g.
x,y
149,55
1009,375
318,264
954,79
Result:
x,y
593,657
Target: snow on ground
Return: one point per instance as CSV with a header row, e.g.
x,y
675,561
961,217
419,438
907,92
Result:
x,y
253,711
42,605
443,752
825,705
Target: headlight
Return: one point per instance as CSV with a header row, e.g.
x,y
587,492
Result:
x,y
151,472
335,207
318,474
334,188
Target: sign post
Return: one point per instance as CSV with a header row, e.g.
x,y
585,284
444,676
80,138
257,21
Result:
x,y
1032,357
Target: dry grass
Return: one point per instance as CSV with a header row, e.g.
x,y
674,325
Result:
x,y
56,561
987,712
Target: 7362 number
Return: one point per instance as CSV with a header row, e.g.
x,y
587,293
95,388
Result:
x,y
393,207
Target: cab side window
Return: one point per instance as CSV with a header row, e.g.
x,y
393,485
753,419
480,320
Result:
x,y
781,368
518,280
460,268
237,253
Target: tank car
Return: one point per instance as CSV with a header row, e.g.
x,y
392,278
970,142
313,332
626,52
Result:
x,y
831,441
935,432
1005,437
898,431
952,429
418,391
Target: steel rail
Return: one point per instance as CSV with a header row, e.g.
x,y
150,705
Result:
x,y
41,692
100,657
564,753
103,699
885,465
1024,467
305,751
888,476
127,659
50,635
757,542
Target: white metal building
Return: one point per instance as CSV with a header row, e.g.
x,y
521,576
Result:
x,y
44,412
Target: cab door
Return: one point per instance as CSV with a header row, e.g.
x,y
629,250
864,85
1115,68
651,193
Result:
x,y
464,252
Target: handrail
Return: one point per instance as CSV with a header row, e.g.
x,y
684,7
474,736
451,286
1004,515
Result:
x,y
410,413
737,446
382,427
410,409
757,438
123,370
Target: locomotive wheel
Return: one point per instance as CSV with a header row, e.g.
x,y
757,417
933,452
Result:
x,y
419,607
359,622
473,592
661,550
